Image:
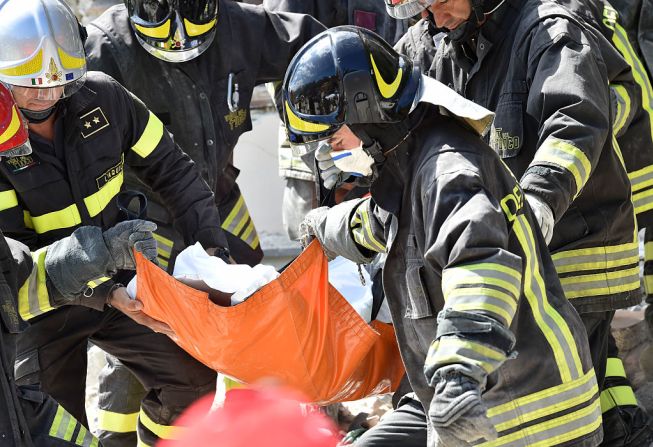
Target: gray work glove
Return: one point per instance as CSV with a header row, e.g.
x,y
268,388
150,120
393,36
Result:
x,y
457,412
543,215
330,174
309,228
126,236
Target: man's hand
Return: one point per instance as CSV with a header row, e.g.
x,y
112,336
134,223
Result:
x,y
331,175
308,227
134,310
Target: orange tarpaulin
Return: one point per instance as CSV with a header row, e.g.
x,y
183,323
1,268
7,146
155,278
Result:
x,y
297,329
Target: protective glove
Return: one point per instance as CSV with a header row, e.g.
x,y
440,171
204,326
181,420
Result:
x,y
330,174
308,228
457,412
543,215
126,236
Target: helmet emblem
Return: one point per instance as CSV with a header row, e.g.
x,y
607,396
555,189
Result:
x,y
177,41
53,74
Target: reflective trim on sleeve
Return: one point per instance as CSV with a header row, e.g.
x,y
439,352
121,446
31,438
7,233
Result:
x,y
63,427
97,282
150,138
567,156
641,178
615,368
599,284
362,231
623,108
117,422
617,396
596,258
97,202
450,350
85,438
643,201
56,220
8,199
240,224
163,246
33,297
162,431
27,220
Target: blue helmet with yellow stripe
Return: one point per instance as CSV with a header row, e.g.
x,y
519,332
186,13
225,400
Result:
x,y
345,75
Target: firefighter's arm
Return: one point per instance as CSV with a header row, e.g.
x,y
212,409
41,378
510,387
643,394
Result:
x,y
466,238
71,269
15,222
283,35
570,100
330,14
162,165
353,229
100,52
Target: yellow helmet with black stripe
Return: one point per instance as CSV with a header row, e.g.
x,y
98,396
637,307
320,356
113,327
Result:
x,y
345,75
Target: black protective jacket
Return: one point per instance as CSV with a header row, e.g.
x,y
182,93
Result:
x,y
554,131
251,46
75,180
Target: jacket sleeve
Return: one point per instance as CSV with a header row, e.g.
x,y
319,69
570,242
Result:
x,y
163,166
466,238
570,100
283,35
15,222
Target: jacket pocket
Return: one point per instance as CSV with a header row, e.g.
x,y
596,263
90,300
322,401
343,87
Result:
x,y
507,133
419,304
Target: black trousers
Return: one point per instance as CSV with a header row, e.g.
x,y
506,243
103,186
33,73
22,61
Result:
x,y
52,353
29,417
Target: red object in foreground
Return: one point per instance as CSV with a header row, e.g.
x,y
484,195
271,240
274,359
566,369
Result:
x,y
297,330
253,417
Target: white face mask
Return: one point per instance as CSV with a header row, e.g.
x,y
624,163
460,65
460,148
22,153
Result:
x,y
355,161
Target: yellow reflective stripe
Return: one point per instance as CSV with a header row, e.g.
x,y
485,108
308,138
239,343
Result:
x,y
545,402
641,179
97,282
98,201
117,422
152,135
617,396
13,127
595,258
162,431
32,66
623,108
56,220
8,199
615,368
158,32
387,90
163,262
70,428
33,297
70,62
516,274
448,350
302,125
567,156
620,39
367,227
227,224
194,29
85,438
643,201
54,428
541,308
607,283
450,285
255,243
248,231
480,292
504,315
554,431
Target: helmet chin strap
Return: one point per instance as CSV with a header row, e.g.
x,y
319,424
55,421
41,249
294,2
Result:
x,y
39,116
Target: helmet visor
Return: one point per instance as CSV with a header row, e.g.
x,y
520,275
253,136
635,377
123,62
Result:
x,y
149,12
46,93
198,12
405,9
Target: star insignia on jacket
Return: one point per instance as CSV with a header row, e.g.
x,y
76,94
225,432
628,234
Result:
x,y
93,122
53,74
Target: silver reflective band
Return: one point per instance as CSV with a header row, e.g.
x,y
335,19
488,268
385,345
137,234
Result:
x,y
176,56
24,149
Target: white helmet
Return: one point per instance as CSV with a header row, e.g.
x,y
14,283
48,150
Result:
x,y
42,47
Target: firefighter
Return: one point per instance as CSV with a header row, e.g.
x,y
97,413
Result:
x,y
195,65
299,195
85,128
493,350
555,127
624,421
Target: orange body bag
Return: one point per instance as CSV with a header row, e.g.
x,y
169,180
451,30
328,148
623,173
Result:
x,y
298,330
